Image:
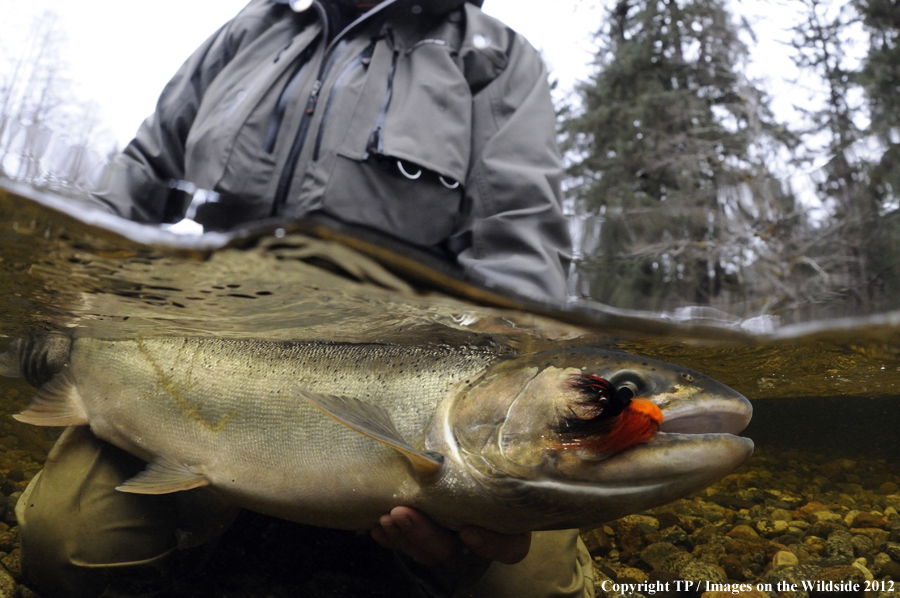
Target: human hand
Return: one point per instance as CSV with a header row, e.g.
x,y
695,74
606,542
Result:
x,y
427,543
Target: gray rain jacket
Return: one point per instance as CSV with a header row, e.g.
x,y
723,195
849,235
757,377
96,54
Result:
x,y
429,121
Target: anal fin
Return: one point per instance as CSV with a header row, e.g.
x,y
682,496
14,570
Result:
x,y
375,422
163,476
57,403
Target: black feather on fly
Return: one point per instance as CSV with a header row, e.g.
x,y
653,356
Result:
x,y
596,412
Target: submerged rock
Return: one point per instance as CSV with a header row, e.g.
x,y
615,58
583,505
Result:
x,y
784,558
663,556
839,545
702,572
867,520
8,585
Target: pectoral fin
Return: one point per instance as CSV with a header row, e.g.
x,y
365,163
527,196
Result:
x,y
57,403
374,422
163,476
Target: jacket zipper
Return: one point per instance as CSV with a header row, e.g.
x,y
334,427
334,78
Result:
x,y
290,167
363,59
376,139
284,99
375,143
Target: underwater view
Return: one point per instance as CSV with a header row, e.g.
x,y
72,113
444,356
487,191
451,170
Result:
x,y
815,511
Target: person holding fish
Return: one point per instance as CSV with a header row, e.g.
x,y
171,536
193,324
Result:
x,y
425,120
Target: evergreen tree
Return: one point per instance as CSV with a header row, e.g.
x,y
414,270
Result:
x,y
880,77
850,260
818,45
670,135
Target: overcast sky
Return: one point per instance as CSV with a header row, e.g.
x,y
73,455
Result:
x,y
121,53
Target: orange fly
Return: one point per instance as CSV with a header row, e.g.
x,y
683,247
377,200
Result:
x,y
607,420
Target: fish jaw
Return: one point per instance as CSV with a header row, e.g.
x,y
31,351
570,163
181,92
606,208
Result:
x,y
515,449
643,477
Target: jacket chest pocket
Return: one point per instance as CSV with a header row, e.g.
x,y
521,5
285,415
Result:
x,y
401,165
225,147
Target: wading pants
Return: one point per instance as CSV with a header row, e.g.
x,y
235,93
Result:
x,y
81,538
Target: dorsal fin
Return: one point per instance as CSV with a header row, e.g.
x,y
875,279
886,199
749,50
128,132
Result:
x,y
56,403
162,476
373,421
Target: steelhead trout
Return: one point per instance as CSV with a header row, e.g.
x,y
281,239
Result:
x,y
335,435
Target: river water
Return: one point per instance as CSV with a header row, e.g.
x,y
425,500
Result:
x,y
821,390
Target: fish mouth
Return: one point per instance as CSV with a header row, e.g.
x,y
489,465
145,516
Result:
x,y
697,442
696,445
709,413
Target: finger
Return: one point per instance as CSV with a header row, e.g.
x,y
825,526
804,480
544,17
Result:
x,y
380,536
415,535
505,548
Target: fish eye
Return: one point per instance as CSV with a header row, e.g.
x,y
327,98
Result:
x,y
629,384
627,391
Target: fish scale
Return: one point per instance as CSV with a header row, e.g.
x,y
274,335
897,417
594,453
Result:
x,y
233,405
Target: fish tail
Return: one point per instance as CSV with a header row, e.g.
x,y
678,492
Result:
x,y
38,357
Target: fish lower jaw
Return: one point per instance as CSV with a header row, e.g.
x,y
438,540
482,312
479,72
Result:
x,y
670,459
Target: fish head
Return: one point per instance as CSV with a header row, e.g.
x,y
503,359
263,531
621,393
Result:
x,y
586,435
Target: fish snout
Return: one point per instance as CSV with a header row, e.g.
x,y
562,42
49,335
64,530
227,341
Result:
x,y
707,413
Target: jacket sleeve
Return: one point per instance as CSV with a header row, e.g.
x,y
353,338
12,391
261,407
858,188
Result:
x,y
515,235
135,184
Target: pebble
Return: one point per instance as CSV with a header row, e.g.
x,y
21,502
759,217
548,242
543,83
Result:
x,y
782,515
892,549
784,558
861,543
825,517
861,565
839,573
781,526
742,531
866,519
673,535
597,541
631,575
702,572
838,545
12,564
8,585
889,488
664,556
890,569
771,528
650,522
877,536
